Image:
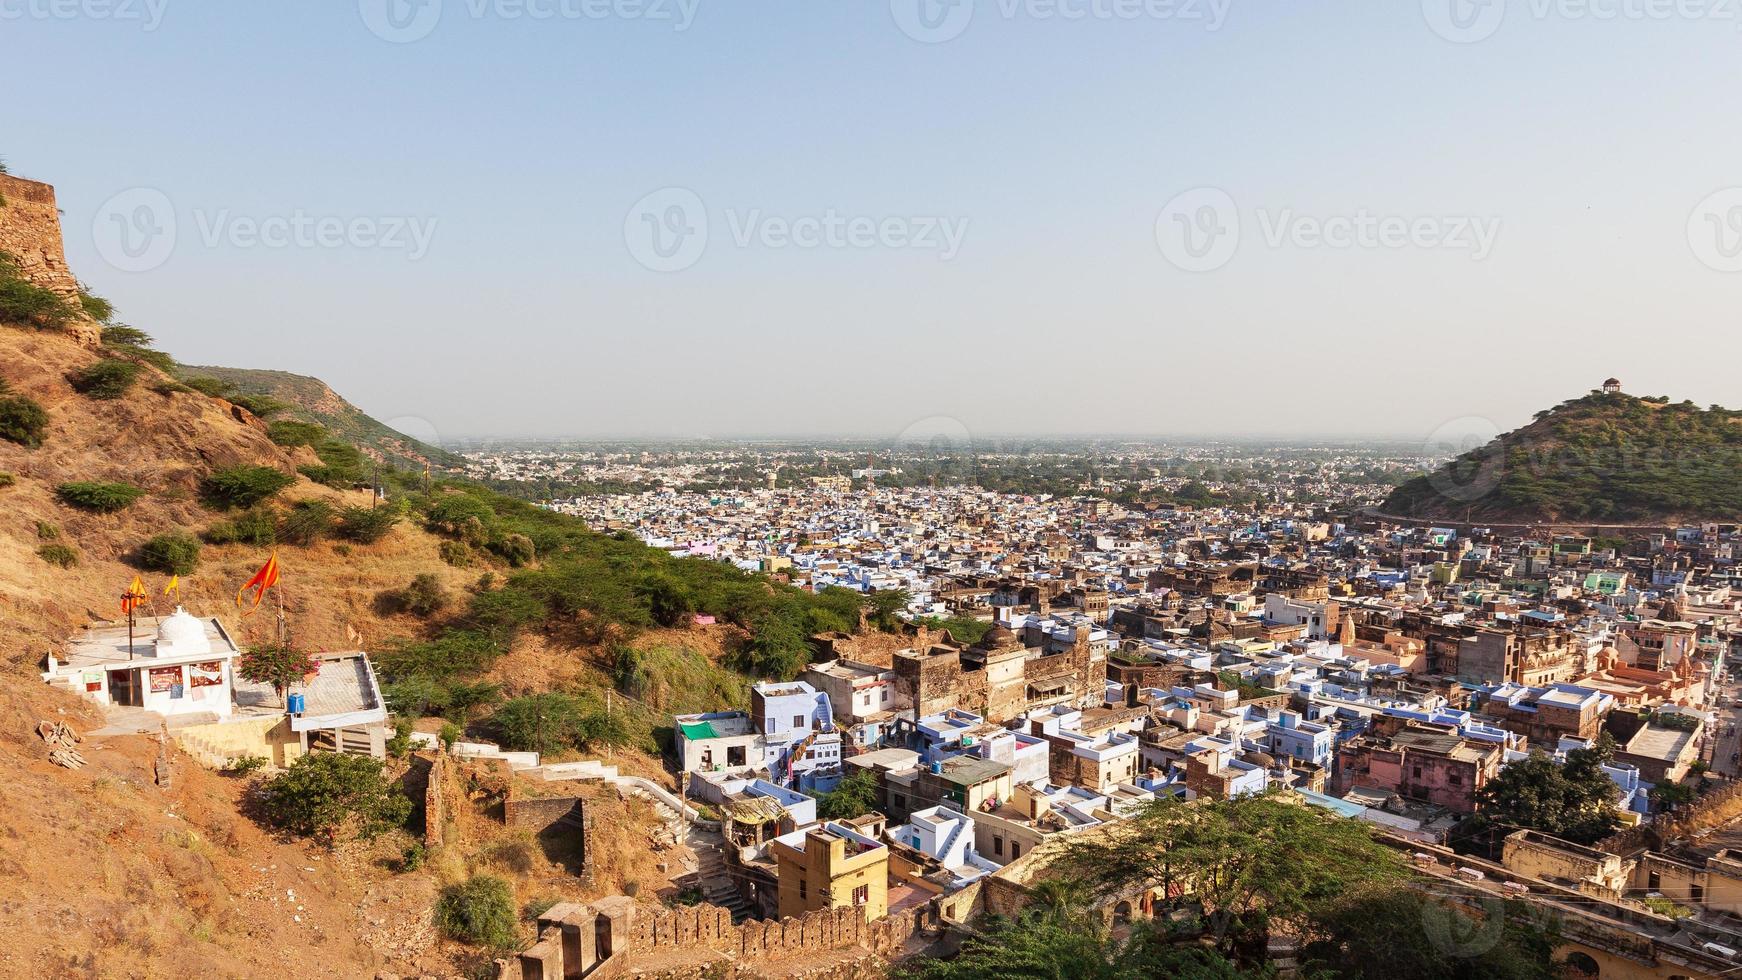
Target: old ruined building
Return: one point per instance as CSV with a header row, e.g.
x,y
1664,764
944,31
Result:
x,y
1000,677
31,235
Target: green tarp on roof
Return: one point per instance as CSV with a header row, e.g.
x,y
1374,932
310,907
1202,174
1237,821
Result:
x,y
698,729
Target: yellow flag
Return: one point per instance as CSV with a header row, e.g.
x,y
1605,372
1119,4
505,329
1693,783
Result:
x,y
173,586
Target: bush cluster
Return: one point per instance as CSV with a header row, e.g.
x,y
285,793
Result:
x,y
243,486
97,497
106,380
21,420
171,554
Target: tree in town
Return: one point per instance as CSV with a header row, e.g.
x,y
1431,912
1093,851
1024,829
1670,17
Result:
x,y
278,664
1574,801
1251,863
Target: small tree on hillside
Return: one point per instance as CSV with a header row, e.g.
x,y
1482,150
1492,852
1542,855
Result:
x,y
277,664
321,793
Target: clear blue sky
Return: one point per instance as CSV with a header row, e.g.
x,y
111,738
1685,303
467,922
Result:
x,y
1052,145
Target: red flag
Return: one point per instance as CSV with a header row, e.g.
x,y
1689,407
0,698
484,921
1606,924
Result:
x,y
264,579
134,597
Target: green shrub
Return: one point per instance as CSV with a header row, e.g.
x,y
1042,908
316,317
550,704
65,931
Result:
x,y
7,480
308,522
450,734
24,302
210,386
98,498
320,793
122,335
516,549
479,911
260,405
243,486
365,525
58,555
423,596
256,527
21,420
288,433
542,722
106,379
243,765
171,554
400,743
46,531
455,554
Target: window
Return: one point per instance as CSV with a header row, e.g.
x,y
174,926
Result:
x,y
1699,894
998,846
1455,778
1654,882
798,721
1418,772
862,894
802,889
1015,850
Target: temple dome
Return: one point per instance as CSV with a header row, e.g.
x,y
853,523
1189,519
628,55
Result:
x,y
180,633
998,637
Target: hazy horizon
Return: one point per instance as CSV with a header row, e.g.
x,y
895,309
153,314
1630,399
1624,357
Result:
x,y
677,220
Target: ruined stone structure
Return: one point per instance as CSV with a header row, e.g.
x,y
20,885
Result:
x,y
435,801
615,937
999,678
30,232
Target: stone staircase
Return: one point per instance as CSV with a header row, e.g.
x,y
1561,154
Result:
x,y
715,881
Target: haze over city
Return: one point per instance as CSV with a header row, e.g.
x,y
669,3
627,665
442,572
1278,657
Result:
x,y
972,220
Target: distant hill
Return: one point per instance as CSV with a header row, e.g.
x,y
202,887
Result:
x,y
1606,457
311,400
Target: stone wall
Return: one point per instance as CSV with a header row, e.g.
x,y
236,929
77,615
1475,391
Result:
x,y
30,232
705,934
540,813
1718,807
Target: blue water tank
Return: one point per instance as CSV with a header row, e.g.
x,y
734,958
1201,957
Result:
x,y
298,704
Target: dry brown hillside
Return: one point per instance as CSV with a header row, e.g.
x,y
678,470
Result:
x,y
165,443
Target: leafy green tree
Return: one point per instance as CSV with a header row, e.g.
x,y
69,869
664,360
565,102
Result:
x,y
668,601
1387,931
1575,801
1252,862
854,796
480,911
280,665
883,606
322,793
171,554
1060,937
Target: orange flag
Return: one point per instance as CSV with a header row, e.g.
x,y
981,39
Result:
x,y
264,579
134,597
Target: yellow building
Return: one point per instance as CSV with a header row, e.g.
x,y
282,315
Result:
x,y
831,867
